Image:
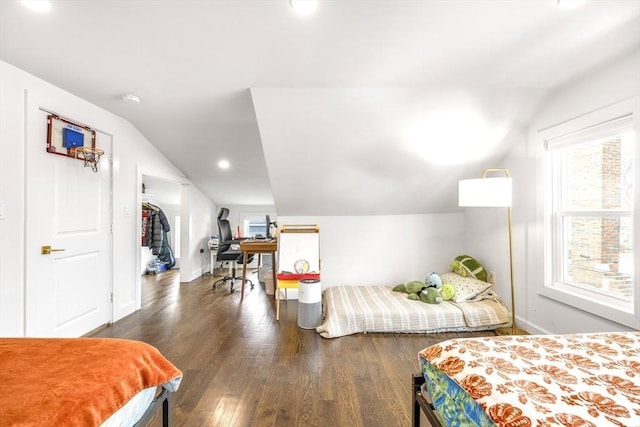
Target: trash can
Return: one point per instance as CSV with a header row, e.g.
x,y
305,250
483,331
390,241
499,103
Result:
x,y
309,303
269,286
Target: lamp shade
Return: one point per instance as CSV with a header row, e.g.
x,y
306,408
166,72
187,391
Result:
x,y
485,192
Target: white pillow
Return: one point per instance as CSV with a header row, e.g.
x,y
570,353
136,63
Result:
x,y
467,288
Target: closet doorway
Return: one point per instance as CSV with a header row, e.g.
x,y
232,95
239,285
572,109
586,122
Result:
x,y
160,197
171,195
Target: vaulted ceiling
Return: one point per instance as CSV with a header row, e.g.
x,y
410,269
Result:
x,y
364,107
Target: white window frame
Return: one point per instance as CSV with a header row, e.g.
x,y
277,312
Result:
x,y
627,314
245,217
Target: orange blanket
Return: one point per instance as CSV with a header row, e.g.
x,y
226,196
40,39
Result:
x,y
74,382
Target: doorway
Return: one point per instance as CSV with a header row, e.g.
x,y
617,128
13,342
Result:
x,y
170,193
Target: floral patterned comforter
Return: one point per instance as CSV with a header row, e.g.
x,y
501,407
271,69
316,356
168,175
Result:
x,y
546,380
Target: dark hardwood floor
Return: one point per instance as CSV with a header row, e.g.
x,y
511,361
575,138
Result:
x,y
243,368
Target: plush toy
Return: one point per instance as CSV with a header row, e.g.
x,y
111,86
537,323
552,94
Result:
x,y
414,287
401,287
447,292
433,281
467,266
431,296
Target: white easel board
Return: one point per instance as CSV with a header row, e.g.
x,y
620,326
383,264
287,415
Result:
x,y
298,243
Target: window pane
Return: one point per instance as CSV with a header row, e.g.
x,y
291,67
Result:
x,y
599,254
599,174
254,226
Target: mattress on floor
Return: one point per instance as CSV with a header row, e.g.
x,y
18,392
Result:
x,y
361,309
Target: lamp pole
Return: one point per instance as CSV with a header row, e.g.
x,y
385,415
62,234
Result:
x,y
514,330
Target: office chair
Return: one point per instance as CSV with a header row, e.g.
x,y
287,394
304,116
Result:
x,y
227,253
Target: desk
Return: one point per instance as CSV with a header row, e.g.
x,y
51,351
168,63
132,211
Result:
x,y
258,246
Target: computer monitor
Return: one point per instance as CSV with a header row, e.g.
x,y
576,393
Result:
x,y
268,233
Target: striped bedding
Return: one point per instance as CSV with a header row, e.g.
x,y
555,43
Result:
x,y
360,309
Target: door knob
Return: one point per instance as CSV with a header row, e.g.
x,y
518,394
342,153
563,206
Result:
x,y
46,250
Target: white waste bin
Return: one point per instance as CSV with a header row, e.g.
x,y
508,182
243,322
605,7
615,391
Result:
x,y
269,286
309,303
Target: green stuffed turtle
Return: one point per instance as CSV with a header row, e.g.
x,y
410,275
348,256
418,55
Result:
x,y
412,288
401,287
431,296
418,291
415,286
468,266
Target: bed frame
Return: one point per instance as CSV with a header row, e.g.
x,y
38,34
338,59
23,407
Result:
x,y
164,399
421,404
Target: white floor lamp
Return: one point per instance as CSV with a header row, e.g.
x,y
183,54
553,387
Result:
x,y
490,191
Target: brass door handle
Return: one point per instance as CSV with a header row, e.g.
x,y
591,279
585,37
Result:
x,y
46,250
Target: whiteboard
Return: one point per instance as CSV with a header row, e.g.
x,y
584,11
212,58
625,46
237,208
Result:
x,y
296,246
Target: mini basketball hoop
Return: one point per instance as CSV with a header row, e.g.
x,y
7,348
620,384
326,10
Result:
x,y
90,155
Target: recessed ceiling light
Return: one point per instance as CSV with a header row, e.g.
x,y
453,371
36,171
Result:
x,y
38,5
570,4
304,7
224,164
131,98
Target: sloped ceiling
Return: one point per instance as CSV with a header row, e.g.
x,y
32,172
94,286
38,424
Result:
x,y
364,93
382,151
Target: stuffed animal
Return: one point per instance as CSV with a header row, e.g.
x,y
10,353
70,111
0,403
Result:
x,y
433,281
467,266
401,287
447,292
431,296
412,289
414,297
431,293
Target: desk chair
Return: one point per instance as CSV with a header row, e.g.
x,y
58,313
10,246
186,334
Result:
x,y
228,251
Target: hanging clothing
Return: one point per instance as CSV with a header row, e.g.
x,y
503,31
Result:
x,y
155,227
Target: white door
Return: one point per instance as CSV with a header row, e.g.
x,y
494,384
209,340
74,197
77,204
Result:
x,y
68,292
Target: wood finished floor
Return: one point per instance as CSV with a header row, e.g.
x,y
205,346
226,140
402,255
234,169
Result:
x,y
243,368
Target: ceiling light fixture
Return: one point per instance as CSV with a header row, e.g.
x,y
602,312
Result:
x,y
224,164
304,7
570,4
131,98
41,6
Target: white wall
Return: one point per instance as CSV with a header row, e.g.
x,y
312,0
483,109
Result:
x,y
620,80
383,249
131,153
12,199
202,219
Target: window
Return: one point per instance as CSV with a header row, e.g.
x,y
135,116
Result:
x,y
254,224
591,190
